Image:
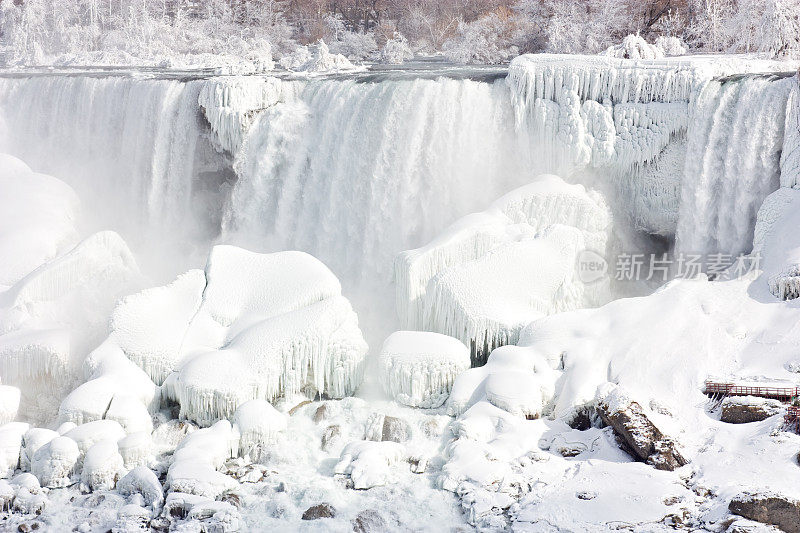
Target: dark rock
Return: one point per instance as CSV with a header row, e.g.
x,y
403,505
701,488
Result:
x,y
395,430
330,434
369,521
638,434
323,412
321,510
771,509
586,495
27,527
231,497
746,409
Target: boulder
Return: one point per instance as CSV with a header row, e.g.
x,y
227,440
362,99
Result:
x,y
769,508
321,510
637,433
745,409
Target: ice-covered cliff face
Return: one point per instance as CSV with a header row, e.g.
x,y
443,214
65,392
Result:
x,y
356,169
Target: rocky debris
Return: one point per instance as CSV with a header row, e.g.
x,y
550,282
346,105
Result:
x,y
638,435
321,510
382,428
330,434
745,409
369,521
769,508
586,495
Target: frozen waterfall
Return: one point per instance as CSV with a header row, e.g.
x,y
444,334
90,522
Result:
x,y
733,158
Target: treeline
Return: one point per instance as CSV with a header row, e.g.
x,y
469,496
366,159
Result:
x,y
487,31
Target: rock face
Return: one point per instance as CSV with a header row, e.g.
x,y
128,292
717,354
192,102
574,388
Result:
x,y
321,510
745,409
770,509
637,433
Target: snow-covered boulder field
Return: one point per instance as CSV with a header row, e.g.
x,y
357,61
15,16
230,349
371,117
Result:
x,y
491,273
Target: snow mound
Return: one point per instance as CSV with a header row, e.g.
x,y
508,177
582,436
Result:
x,y
34,439
490,273
52,317
258,424
197,458
136,449
102,466
418,368
143,482
37,219
370,464
251,326
54,463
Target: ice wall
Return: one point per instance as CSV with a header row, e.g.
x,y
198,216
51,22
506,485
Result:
x,y
733,161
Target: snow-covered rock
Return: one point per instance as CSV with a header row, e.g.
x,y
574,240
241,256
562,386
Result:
x,y
418,368
745,409
197,458
491,273
142,481
34,439
635,47
54,463
370,464
258,424
317,59
87,435
268,325
136,449
102,466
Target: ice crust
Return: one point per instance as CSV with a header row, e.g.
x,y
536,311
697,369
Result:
x,y
418,368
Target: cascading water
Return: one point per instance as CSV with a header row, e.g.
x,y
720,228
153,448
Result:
x,y
356,172
732,162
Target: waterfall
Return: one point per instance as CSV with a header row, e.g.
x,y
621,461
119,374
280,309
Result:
x,y
732,162
128,146
356,172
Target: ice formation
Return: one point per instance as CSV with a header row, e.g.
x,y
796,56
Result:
x,y
52,317
37,219
418,368
102,466
523,249
258,424
195,462
729,171
369,464
54,463
251,326
9,403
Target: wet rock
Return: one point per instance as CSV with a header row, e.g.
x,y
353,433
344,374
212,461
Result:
x,y
297,407
745,409
770,508
321,510
330,434
369,521
323,412
637,433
